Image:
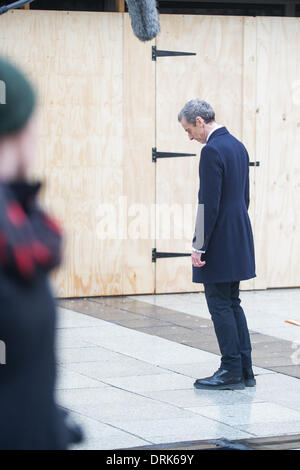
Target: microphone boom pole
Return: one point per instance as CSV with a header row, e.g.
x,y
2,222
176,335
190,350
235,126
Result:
x,y
18,4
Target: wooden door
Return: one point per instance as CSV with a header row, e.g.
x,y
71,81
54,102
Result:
x,y
215,74
277,191
96,86
138,169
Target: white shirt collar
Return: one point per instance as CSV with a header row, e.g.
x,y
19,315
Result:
x,y
211,132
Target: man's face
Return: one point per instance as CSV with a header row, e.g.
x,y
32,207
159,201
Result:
x,y
196,132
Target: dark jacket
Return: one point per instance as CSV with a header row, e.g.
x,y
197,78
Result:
x,y
30,244
224,192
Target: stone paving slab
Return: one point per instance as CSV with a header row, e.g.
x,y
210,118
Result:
x,y
268,351
126,372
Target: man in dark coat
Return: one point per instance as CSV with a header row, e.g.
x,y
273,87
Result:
x,y
223,248
30,247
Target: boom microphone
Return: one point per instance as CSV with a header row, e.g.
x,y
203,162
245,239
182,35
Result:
x,y
144,18
18,4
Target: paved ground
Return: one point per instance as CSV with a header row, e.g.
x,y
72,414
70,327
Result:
x,y
126,367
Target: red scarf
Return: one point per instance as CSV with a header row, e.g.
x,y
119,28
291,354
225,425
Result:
x,y
30,240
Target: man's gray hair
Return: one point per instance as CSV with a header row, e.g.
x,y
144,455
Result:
x,y
195,108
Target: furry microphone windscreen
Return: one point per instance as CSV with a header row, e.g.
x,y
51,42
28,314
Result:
x,y
144,18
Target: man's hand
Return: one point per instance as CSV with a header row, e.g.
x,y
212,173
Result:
x,y
196,260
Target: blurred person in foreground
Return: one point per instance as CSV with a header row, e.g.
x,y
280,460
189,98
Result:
x,y
30,247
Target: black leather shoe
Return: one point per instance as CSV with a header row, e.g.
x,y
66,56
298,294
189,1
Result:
x,y
249,379
221,380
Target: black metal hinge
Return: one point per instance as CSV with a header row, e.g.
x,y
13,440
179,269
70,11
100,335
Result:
x,y
160,254
157,53
156,154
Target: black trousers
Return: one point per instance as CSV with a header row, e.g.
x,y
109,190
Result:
x,y
230,325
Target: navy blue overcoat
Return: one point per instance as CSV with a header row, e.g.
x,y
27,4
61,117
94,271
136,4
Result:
x,y
224,191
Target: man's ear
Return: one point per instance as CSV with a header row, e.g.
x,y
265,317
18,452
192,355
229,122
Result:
x,y
199,120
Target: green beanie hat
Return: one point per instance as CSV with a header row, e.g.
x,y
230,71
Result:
x,y
17,98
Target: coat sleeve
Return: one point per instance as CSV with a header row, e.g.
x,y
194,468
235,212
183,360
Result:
x,y
211,181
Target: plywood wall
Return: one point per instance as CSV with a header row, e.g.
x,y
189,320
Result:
x,y
96,132
103,105
248,68
277,180
209,75
139,171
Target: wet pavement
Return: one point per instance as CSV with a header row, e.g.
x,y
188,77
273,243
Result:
x,y
126,367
